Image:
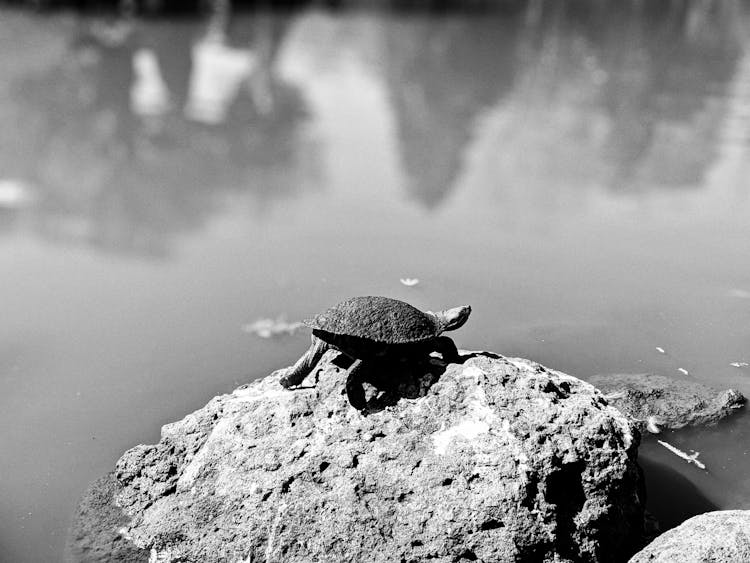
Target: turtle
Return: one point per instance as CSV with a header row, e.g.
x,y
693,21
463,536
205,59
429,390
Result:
x,y
375,330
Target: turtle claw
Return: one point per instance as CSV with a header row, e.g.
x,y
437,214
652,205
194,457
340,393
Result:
x,y
283,375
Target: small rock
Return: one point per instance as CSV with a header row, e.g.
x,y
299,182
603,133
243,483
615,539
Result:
x,y
720,537
670,403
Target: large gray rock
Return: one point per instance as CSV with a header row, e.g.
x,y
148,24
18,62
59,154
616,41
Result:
x,y
667,403
720,537
492,460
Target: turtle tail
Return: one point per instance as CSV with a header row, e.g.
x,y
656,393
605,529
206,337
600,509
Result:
x,y
302,368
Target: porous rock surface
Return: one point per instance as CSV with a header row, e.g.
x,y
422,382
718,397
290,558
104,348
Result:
x,y
94,536
719,537
670,403
491,460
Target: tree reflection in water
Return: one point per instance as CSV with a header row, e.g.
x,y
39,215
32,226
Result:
x,y
621,95
127,178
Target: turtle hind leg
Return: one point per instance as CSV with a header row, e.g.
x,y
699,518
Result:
x,y
445,346
294,375
354,389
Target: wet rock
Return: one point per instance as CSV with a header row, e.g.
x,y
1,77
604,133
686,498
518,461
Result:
x,y
720,537
94,535
494,459
668,403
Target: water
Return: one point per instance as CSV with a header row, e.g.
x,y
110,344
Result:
x,y
578,174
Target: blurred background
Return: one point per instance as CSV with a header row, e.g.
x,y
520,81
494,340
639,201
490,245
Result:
x,y
180,182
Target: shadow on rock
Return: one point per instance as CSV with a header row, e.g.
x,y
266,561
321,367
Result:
x,y
386,384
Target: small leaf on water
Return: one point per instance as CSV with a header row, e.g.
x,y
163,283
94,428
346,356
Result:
x,y
739,293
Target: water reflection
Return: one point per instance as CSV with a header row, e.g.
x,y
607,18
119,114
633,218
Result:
x,y
665,96
139,130
624,96
441,75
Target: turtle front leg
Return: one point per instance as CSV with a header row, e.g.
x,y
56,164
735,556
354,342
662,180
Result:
x,y
354,389
445,346
294,375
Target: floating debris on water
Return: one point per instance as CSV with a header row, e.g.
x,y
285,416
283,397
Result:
x,y
272,328
690,458
14,194
652,425
739,293
660,350
616,395
409,282
683,370
739,364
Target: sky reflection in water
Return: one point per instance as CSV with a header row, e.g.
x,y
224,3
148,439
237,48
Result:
x,y
579,175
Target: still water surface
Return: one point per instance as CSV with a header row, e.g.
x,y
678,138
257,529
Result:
x,y
581,176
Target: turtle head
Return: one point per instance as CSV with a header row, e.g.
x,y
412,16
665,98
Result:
x,y
451,319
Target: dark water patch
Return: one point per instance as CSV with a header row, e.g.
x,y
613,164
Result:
x,y
671,497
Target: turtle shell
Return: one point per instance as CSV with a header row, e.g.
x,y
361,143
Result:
x,y
379,319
